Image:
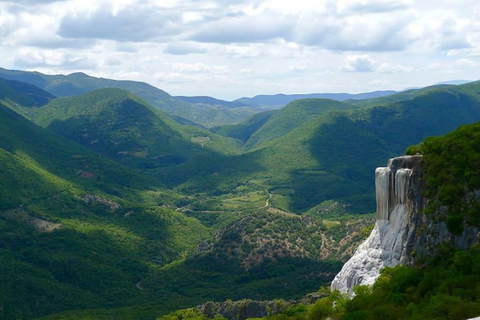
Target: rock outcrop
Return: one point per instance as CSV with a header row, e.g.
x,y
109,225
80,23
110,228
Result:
x,y
246,309
402,234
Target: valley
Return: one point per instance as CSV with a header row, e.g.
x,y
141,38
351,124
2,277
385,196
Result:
x,y
116,203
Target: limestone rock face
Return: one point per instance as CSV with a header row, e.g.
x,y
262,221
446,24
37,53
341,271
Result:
x,y
402,235
386,244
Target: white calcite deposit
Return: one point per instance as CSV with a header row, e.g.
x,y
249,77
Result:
x,y
385,245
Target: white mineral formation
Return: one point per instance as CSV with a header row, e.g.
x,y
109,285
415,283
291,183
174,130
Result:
x,y
385,245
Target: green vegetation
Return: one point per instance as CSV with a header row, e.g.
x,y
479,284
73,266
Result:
x,y
19,93
320,151
290,117
243,131
82,231
452,166
112,209
447,288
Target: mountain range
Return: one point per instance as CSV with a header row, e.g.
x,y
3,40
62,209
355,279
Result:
x,y
114,208
205,111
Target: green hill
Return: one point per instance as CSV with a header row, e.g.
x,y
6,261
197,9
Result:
x,y
115,123
118,124
290,117
266,126
349,145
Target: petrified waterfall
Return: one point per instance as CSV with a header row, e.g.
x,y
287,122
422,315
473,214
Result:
x,y
386,245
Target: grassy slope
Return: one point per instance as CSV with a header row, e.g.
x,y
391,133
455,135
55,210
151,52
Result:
x,y
62,157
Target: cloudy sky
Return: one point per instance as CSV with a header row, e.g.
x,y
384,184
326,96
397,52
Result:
x,y
234,48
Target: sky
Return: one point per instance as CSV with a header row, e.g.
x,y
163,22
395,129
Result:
x,y
236,48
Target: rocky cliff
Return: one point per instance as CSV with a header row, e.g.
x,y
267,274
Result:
x,y
402,234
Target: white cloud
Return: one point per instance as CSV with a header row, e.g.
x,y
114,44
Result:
x,y
393,68
467,62
247,71
135,23
372,6
195,67
51,58
238,47
245,29
358,63
184,47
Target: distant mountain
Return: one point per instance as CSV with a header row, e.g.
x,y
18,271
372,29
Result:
x,y
279,100
79,83
23,94
454,82
212,101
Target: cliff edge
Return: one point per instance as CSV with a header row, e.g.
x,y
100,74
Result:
x,y
402,233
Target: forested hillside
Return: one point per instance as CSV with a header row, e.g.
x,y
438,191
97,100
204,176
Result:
x,y
111,208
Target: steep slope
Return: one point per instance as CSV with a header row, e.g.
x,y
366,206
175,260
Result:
x,y
61,156
292,116
67,216
244,130
79,83
20,93
117,124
